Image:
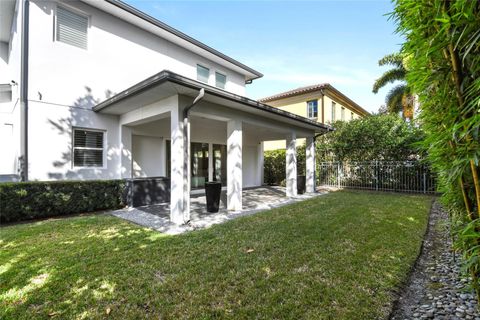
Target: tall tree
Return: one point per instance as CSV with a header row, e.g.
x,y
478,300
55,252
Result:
x,y
399,98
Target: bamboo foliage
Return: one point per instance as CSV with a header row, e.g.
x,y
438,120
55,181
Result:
x,y
443,41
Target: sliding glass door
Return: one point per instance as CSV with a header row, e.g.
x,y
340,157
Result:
x,y
199,163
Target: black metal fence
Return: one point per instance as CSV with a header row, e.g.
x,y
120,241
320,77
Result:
x,y
399,176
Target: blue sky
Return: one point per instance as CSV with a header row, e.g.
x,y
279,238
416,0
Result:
x,y
293,43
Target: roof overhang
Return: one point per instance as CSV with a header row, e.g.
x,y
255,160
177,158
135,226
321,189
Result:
x,y
332,92
324,88
144,21
167,83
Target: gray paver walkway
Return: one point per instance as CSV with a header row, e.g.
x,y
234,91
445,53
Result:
x,y
254,200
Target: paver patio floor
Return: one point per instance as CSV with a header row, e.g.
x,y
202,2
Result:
x,y
255,200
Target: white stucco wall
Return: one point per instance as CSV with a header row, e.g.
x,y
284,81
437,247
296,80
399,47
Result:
x,y
50,142
7,159
10,70
148,156
118,56
66,81
250,166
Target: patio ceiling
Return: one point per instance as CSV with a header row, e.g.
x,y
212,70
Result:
x,y
166,84
252,133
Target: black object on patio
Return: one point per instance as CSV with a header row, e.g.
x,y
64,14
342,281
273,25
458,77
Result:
x,y
212,193
147,191
301,184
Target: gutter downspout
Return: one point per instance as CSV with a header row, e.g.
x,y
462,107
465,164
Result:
x,y
186,154
24,87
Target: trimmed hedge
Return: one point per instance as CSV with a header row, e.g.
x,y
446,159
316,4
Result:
x,y
31,200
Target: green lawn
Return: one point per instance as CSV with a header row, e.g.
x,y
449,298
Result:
x,y
338,256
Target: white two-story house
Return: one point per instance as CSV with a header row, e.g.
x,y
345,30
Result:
x,y
96,89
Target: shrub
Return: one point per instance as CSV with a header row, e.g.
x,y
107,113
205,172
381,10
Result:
x,y
376,137
31,200
275,165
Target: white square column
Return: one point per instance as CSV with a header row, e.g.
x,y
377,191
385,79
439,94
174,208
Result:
x,y
179,195
260,163
291,165
126,158
187,172
234,165
310,164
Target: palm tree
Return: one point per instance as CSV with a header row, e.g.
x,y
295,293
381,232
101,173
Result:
x,y
399,98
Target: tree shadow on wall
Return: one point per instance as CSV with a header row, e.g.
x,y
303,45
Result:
x,y
80,115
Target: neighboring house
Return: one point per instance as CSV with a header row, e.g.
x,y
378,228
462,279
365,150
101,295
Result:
x,y
96,89
321,102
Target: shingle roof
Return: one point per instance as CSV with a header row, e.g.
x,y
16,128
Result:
x,y
295,92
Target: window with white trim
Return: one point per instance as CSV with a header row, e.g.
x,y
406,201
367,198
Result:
x,y
203,73
342,113
312,108
220,80
88,148
71,28
334,106
351,115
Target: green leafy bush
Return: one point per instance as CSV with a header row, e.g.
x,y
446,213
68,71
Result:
x,y
376,137
30,200
275,165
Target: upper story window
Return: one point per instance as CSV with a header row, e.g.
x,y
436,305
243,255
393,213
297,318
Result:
x,y
334,106
312,108
203,73
71,28
88,148
342,113
220,80
351,115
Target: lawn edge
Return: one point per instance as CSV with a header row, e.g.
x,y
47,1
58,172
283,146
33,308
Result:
x,y
397,292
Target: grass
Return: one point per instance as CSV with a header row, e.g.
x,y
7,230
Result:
x,y
339,256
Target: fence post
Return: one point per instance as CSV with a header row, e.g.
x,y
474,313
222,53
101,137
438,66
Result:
x,y
376,175
424,180
338,174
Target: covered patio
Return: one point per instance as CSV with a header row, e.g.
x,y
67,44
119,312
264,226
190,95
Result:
x,y
256,199
191,133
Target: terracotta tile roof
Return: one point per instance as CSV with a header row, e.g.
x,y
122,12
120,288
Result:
x,y
295,92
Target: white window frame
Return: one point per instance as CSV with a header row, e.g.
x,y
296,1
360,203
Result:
x,y
76,11
203,66
312,116
223,74
104,153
